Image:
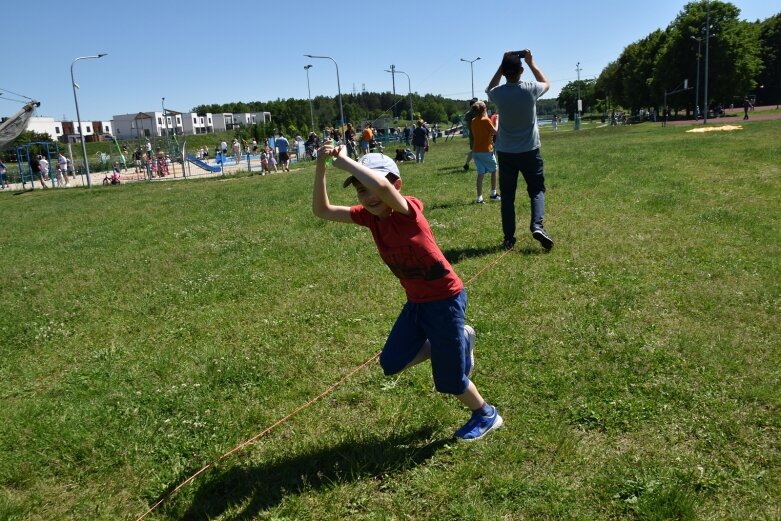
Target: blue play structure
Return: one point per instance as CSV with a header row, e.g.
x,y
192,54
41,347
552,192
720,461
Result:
x,y
203,165
23,160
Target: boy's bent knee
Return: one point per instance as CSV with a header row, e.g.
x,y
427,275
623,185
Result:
x,y
454,387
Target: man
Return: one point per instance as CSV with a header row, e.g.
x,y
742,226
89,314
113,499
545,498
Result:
x,y
746,106
518,142
468,128
282,145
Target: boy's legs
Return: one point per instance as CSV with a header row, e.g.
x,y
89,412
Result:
x,y
479,186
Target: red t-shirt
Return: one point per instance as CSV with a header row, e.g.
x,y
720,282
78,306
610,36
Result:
x,y
406,244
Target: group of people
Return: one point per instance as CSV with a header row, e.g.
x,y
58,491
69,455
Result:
x,y
41,169
432,323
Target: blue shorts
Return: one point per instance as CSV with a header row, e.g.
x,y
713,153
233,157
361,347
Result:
x,y
485,162
441,323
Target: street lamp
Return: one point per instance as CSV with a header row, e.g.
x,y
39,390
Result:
x,y
707,46
78,116
338,84
472,70
697,84
409,86
309,93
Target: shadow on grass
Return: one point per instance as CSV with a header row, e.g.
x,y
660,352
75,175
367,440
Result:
x,y
254,489
456,255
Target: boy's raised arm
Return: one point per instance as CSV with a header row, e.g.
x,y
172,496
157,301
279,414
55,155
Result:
x,y
321,206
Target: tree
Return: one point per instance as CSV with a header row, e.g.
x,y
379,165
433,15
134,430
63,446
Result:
x,y
769,81
568,97
734,61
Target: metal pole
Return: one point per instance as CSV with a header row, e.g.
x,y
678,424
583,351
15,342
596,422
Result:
x,y
697,92
78,115
707,44
338,84
472,71
309,94
393,76
409,86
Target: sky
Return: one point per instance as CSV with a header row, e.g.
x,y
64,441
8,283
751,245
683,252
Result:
x,y
199,52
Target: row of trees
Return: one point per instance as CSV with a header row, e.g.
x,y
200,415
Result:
x,y
744,60
293,116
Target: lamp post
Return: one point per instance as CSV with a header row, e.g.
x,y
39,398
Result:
x,y
697,83
707,42
338,84
580,103
309,94
78,116
409,86
472,70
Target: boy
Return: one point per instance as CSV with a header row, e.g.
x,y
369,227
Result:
x,y
483,131
431,323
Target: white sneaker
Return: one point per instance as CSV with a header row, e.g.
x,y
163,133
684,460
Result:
x,y
479,200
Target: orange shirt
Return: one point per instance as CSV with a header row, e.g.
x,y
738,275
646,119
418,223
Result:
x,y
367,135
482,130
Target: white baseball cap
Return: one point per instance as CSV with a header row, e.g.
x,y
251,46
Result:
x,y
378,162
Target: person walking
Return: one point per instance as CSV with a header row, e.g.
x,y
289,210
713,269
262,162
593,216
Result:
x,y
518,142
3,176
483,131
282,145
468,129
432,323
62,170
746,106
420,141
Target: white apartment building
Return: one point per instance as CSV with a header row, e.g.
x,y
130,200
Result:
x,y
44,125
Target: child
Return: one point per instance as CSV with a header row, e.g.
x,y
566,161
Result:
x,y
431,324
483,131
272,161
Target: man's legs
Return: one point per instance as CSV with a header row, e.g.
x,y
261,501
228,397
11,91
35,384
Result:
x,y
533,173
508,183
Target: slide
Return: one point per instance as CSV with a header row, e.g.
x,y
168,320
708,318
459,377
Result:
x,y
200,164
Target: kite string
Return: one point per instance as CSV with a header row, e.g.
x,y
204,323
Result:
x,y
298,409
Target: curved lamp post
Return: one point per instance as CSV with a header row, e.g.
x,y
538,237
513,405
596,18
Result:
x,y
472,70
409,86
338,84
309,94
78,116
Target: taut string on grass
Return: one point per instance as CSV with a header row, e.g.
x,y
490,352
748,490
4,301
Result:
x,y
298,409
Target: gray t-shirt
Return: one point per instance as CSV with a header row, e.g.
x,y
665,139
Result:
x,y
517,106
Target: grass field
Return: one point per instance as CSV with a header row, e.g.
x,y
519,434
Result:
x,y
149,328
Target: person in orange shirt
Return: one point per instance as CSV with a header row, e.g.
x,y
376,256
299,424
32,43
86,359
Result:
x,y
366,138
483,131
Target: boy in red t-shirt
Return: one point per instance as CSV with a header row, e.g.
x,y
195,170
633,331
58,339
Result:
x,y
431,324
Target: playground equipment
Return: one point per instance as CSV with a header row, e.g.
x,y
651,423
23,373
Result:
x,y
23,161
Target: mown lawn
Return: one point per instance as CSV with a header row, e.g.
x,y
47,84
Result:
x,y
148,329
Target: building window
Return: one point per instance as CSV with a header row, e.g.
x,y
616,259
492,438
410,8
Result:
x,y
159,120
56,130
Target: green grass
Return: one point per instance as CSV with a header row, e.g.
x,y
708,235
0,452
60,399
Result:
x,y
149,328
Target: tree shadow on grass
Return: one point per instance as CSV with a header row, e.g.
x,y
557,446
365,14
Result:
x,y
254,489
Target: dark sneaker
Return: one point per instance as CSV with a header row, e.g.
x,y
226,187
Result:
x,y
469,333
496,197
508,244
466,167
543,238
478,426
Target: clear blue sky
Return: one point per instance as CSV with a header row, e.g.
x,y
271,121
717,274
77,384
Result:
x,y
198,52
